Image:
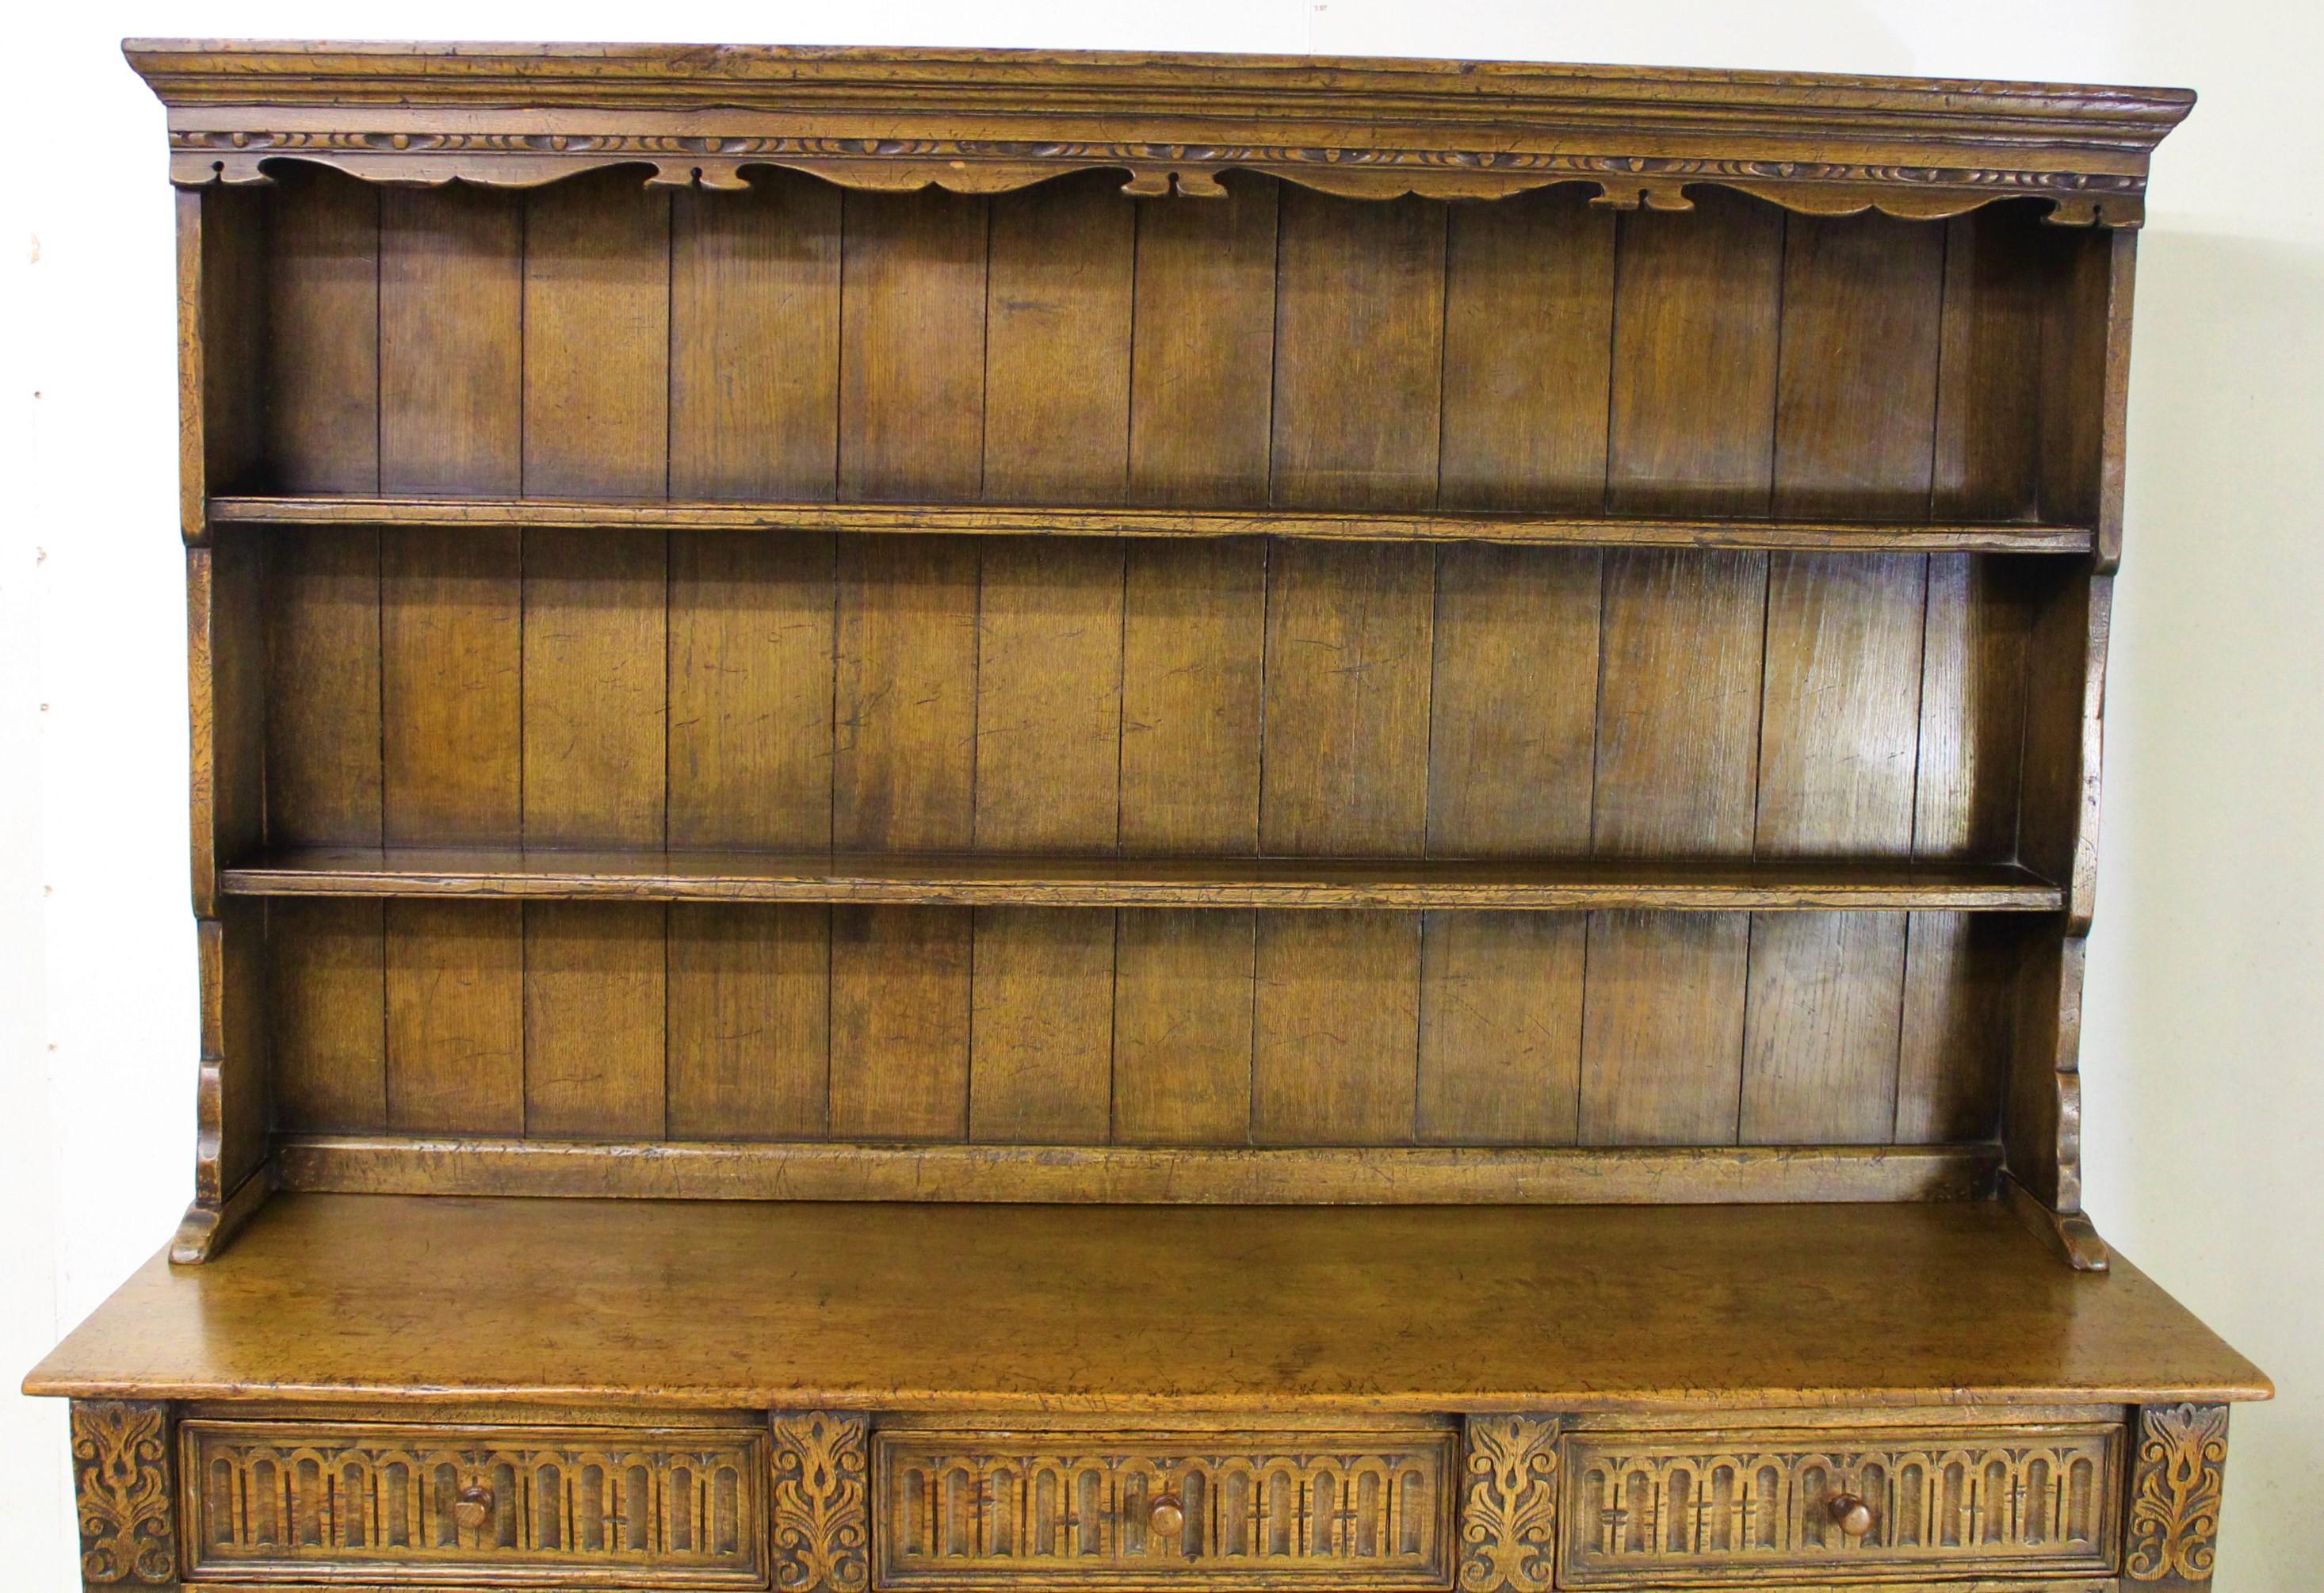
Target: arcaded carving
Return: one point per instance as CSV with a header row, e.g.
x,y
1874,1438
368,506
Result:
x,y
2174,1503
121,1479
1508,1505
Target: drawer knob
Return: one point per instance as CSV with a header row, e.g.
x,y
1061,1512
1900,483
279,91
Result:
x,y
1166,1516
472,1506
1850,1514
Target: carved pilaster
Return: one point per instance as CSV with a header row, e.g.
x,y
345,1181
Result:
x,y
1508,1505
124,1493
821,1508
2176,1486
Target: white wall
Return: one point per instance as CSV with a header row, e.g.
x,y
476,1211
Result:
x,y
2205,1081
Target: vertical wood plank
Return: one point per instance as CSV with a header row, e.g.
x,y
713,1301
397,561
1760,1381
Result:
x,y
750,1042
1202,396
900,1023
1345,765
597,339
1695,305
1989,386
328,1040
1513,702
595,687
456,1018
904,732
911,370
1041,1043
1202,377
1338,1021
594,1020
1057,343
1529,350
754,341
1691,431
1181,1024
322,330
1960,979
1501,1038
451,298
596,652
750,675
451,413
1192,684
228,375
1048,711
1855,434
1359,352
323,771
451,650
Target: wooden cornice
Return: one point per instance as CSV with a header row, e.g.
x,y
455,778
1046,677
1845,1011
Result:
x,y
986,121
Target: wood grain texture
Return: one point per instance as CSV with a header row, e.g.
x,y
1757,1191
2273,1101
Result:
x,y
595,688
1500,1029
1193,698
1182,1027
1347,701
1336,1017
327,1038
456,1018
322,372
911,364
827,1307
1048,697
594,1038
754,342
451,371
1359,353
323,690
1528,349
1203,358
750,1014
596,341
1041,1027
900,1023
904,712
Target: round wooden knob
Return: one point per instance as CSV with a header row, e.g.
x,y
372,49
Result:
x,y
1166,1516
1850,1514
473,1506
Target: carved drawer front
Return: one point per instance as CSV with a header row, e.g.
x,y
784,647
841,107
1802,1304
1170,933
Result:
x,y
1726,1509
1328,1509
561,1506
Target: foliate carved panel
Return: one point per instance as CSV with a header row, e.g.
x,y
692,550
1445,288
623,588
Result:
x,y
1331,1509
122,1487
1508,1505
1719,1509
2176,1489
822,1516
272,1501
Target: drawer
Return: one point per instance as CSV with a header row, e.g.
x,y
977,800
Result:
x,y
1331,1509
562,1506
1730,1507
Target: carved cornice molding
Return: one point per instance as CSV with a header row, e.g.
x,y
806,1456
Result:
x,y
987,122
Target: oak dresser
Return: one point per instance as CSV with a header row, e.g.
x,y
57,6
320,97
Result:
x,y
1068,822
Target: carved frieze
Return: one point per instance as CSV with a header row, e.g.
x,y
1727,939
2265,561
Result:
x,y
822,1519
121,1487
2176,1489
1508,1505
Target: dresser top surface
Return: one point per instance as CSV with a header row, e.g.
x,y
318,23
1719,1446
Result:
x,y
1142,1308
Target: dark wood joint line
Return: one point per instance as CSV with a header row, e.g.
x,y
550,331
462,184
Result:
x,y
124,1494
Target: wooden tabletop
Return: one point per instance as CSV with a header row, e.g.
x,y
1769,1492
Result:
x,y
1141,1308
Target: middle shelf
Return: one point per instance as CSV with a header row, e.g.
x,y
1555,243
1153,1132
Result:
x,y
1697,885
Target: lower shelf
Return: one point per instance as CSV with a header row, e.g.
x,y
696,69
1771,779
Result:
x,y
726,1306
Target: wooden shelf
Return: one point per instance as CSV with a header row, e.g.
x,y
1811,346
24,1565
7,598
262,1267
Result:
x,y
1704,885
665,1304
975,520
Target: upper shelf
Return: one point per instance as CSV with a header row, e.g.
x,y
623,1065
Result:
x,y
979,519
989,121
1067,881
